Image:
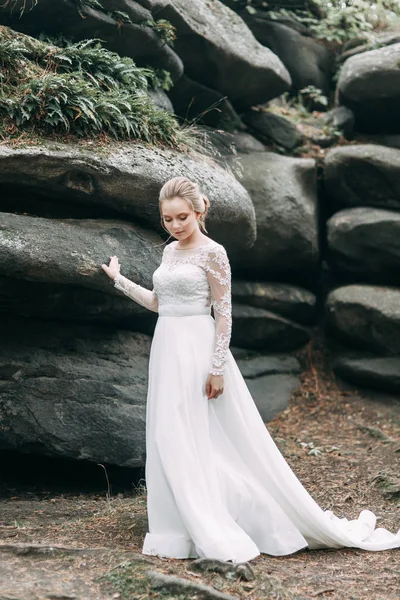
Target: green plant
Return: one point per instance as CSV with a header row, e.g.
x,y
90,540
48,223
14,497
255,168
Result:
x,y
341,20
80,89
164,29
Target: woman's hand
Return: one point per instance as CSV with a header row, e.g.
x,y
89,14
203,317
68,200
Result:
x,y
113,268
214,386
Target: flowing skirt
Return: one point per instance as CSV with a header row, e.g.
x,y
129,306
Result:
x,y
218,487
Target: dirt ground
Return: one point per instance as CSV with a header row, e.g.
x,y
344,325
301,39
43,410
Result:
x,y
343,445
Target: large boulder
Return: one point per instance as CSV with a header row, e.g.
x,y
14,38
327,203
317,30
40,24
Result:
x,y
60,302
70,252
124,181
366,317
283,191
73,391
308,61
259,329
369,84
283,299
364,244
219,51
79,21
363,175
377,373
271,393
271,128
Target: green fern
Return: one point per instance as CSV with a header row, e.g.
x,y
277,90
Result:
x,y
80,89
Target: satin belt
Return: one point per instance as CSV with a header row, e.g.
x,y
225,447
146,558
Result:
x,y
182,310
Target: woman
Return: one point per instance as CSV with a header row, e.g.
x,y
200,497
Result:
x,y
217,485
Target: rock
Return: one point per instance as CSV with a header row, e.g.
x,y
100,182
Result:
x,y
259,329
127,181
308,61
246,143
218,50
359,45
160,99
364,243
392,141
131,8
365,316
194,101
271,128
71,252
237,571
382,374
341,119
255,366
153,5
287,300
369,84
283,191
60,302
81,22
271,393
363,175
73,391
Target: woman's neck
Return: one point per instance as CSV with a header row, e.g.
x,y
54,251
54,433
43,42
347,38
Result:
x,y
195,239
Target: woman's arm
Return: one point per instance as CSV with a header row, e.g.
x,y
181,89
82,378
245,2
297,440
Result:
x,y
142,296
219,279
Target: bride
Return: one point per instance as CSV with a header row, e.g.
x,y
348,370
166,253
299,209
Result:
x,y
217,485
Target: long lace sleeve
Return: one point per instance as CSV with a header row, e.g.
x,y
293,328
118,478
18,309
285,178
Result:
x,y
146,298
219,279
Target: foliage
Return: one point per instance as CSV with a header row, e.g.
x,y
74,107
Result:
x,y
164,29
81,89
342,19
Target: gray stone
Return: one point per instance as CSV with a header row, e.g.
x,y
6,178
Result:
x,y
73,391
308,61
127,180
219,51
341,119
160,99
60,302
287,300
369,84
283,191
364,243
381,374
270,364
246,143
259,329
271,393
81,22
271,128
71,252
365,317
238,571
363,175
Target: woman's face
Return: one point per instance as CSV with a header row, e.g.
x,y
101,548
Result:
x,y
179,218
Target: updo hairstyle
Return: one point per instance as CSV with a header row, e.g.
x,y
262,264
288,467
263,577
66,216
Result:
x,y
182,187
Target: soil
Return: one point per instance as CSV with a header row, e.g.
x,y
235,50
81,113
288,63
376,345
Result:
x,y
343,444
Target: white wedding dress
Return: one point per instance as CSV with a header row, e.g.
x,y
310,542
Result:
x,y
217,485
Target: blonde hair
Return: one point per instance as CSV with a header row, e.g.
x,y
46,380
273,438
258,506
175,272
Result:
x,y
182,187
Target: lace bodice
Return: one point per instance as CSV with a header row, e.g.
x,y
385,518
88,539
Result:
x,y
197,276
